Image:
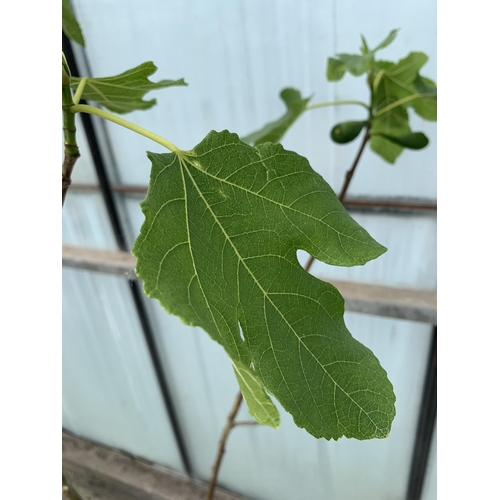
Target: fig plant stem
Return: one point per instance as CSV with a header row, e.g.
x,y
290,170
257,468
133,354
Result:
x,y
71,151
350,172
222,443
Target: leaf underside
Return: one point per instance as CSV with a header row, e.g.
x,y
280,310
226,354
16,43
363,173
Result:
x,y
218,247
274,131
124,93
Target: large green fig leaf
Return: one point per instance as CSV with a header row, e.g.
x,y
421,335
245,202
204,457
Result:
x,y
398,86
426,105
397,80
124,92
70,25
274,131
218,248
402,83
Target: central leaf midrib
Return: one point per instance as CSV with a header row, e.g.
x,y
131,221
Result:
x,y
196,272
264,292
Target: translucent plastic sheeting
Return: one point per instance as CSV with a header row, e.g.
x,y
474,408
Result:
x,y
110,394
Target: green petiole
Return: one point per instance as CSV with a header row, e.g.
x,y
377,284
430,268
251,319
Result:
x,y
336,103
79,90
397,103
84,108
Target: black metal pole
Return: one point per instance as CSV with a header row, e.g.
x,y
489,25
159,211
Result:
x,y
426,424
137,296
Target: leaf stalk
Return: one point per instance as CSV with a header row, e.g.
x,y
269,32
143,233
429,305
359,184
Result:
x,y
91,110
336,103
222,444
79,90
395,104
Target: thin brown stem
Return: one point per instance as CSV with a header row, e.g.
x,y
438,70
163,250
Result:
x,y
347,181
222,444
350,172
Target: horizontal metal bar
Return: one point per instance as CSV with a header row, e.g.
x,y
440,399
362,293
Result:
x,y
397,204
393,205
105,261
118,188
401,303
